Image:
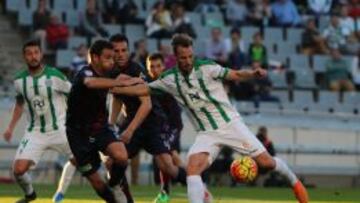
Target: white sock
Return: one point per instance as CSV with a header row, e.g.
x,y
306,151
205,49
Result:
x,y
66,177
24,182
284,170
196,189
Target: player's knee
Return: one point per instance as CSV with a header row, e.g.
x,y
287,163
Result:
x,y
267,163
194,168
119,158
19,170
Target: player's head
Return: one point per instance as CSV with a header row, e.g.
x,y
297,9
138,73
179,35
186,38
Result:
x,y
183,50
102,55
121,48
32,54
155,65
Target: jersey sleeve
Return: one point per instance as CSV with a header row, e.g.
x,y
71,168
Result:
x,y
217,72
61,85
159,86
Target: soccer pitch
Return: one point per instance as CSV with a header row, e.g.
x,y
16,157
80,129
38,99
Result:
x,y
145,194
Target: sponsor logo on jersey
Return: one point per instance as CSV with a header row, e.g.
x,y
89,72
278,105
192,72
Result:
x,y
40,104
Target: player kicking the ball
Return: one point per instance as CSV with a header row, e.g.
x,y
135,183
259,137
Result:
x,y
197,84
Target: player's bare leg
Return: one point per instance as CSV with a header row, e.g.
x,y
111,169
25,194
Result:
x,y
167,166
264,160
101,188
23,179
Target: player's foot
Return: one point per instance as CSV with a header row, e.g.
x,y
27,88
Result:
x,y
58,197
208,198
300,192
27,198
162,197
119,194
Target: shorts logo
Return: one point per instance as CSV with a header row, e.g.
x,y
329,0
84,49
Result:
x,y
23,144
85,168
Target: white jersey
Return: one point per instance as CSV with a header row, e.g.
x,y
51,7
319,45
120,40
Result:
x,y
45,96
201,92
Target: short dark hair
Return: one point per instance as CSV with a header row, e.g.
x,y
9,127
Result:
x,y
156,56
235,30
98,46
182,40
31,43
119,38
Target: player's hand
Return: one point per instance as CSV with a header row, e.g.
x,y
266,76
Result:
x,y
259,73
123,77
126,135
7,135
134,81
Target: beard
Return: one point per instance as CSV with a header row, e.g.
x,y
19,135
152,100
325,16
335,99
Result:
x,y
34,65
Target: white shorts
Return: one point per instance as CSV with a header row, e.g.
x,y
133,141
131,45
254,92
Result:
x,y
235,135
34,144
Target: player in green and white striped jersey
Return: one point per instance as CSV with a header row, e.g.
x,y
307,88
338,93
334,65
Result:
x,y
198,85
43,90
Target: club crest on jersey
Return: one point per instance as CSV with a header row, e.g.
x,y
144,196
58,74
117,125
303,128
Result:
x,y
48,82
40,105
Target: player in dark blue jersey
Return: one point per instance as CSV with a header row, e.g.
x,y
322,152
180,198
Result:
x,y
141,128
172,128
87,125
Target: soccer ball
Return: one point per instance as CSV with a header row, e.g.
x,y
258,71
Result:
x,y
244,169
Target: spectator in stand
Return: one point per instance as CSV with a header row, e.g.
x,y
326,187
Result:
x,y
311,40
91,21
206,6
110,10
141,53
338,72
180,21
335,35
41,19
257,51
129,13
80,60
57,34
169,57
285,13
215,47
260,12
319,7
236,12
347,23
235,49
354,9
158,23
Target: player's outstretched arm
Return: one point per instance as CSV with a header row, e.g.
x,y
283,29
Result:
x,y
103,83
242,75
16,115
136,90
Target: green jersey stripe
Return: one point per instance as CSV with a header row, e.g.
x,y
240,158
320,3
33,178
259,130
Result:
x,y
210,118
36,91
52,108
32,119
211,99
201,125
224,74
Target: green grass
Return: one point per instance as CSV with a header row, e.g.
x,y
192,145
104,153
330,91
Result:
x,y
142,194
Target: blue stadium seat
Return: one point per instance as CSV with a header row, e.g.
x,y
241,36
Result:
x,y
80,5
165,42
278,79
195,19
351,98
75,41
64,58
328,97
273,34
320,62
294,35
12,5
137,31
72,18
285,47
214,19
112,29
278,57
248,32
303,99
299,61
283,95
25,17
24,4
305,78
63,5
152,45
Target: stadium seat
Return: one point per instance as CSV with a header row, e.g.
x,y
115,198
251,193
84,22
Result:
x,y
294,35
299,61
112,29
25,17
324,21
64,58
269,107
214,19
303,96
245,106
72,18
248,32
328,97
12,5
31,4
203,32
63,5
137,31
165,42
75,41
195,19
278,57
283,95
199,47
351,98
305,78
152,45
80,5
278,79
285,48
273,34
319,64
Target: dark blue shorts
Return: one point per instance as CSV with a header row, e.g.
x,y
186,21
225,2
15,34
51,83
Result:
x,y
86,148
